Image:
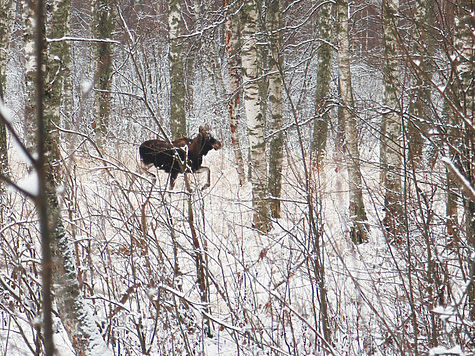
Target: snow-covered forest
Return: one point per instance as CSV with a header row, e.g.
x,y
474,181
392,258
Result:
x,y
340,215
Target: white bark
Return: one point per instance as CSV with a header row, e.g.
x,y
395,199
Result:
x,y
6,22
255,118
391,124
232,47
177,75
29,25
325,51
359,228
74,312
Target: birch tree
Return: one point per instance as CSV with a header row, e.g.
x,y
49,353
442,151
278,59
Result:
x,y
275,106
58,259
29,26
359,227
177,74
103,26
233,44
6,22
391,157
325,51
254,115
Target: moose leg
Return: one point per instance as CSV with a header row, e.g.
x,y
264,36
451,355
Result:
x,y
173,176
208,181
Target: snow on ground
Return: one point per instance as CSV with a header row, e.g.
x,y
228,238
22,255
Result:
x,y
136,257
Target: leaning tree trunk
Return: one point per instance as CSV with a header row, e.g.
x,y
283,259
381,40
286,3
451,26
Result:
x,y
391,162
325,51
359,227
275,106
103,26
255,117
6,22
177,75
233,44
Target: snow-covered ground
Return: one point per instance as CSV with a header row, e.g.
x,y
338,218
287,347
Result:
x,y
135,244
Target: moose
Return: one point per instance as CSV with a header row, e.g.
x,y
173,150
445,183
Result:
x,y
183,155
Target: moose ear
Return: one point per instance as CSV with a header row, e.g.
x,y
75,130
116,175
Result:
x,y
204,128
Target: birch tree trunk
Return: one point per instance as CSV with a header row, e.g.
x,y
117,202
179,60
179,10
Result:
x,y
320,128
359,227
233,44
29,25
58,258
6,22
275,106
255,117
177,74
103,26
391,131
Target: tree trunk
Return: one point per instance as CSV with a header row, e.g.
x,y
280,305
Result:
x,y
177,74
419,108
29,24
233,44
359,227
58,259
325,51
275,106
6,22
465,93
103,26
255,117
391,124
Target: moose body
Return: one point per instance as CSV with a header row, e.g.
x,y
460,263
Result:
x,y
183,155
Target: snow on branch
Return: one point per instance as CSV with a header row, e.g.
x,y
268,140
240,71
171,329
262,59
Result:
x,y
463,182
80,39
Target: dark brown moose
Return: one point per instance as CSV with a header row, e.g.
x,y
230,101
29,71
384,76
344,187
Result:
x,y
183,155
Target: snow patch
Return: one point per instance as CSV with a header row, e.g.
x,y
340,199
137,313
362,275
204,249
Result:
x,y
29,184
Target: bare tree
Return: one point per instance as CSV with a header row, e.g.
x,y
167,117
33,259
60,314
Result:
x,y
391,156
359,227
464,90
6,22
255,117
233,50
276,71
420,107
103,26
177,75
325,54
28,22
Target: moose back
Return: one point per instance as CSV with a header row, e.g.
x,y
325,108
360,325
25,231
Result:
x,y
180,156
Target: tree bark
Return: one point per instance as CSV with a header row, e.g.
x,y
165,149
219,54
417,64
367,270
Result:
x,y
255,117
58,259
29,25
359,227
233,44
6,22
177,74
320,128
464,55
103,26
391,131
424,49
275,106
